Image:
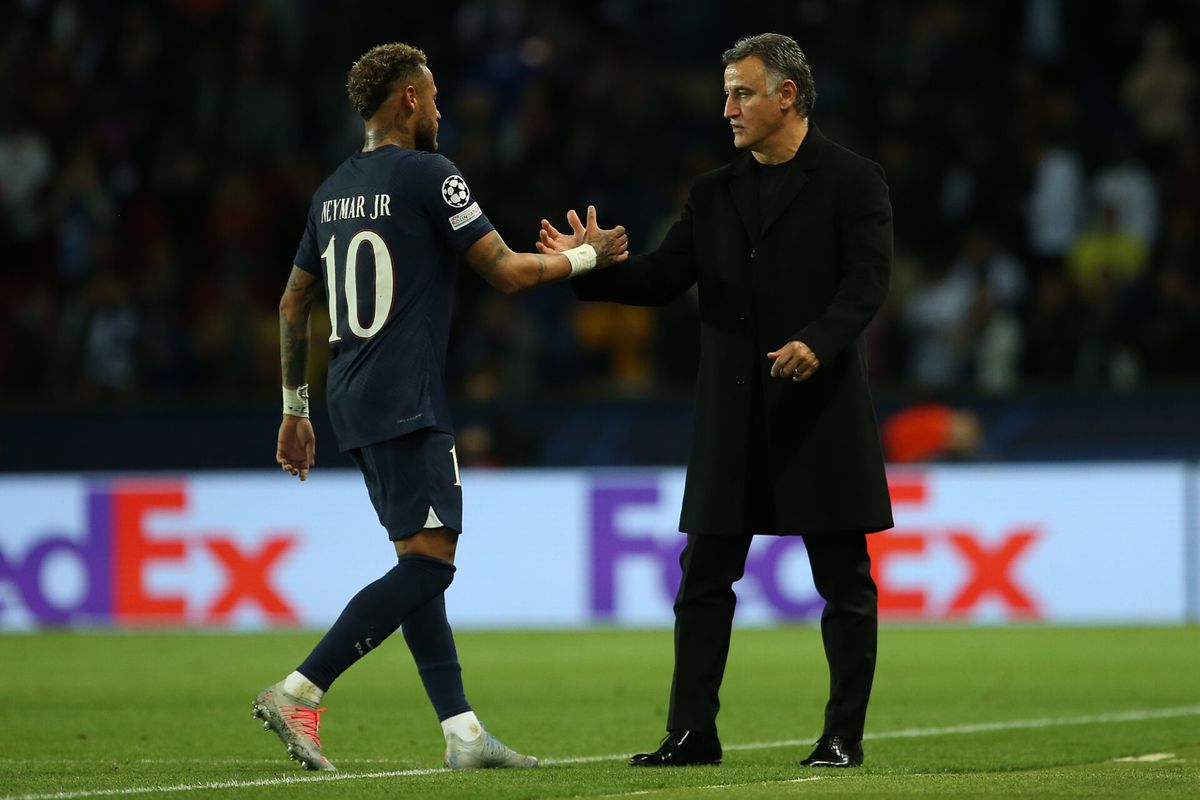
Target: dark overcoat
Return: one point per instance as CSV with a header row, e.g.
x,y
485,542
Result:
x,y
813,266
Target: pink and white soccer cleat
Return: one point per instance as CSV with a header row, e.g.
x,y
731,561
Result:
x,y
296,722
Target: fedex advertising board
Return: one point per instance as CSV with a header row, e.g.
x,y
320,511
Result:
x,y
224,550
1089,543
568,548
971,543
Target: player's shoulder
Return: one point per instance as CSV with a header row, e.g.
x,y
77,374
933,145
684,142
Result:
x,y
391,159
332,180
431,163
431,171
441,179
343,175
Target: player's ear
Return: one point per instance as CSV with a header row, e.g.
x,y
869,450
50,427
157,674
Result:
x,y
408,97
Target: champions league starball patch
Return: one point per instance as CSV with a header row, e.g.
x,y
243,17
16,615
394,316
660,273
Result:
x,y
455,191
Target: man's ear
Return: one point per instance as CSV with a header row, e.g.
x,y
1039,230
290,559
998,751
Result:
x,y
788,94
408,98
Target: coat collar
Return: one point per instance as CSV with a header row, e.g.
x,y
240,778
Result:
x,y
744,186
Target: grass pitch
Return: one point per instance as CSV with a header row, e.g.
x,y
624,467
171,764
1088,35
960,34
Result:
x,y
958,712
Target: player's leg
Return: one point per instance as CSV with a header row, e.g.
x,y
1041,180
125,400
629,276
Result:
x,y
374,614
290,707
429,636
431,642
841,569
398,480
468,744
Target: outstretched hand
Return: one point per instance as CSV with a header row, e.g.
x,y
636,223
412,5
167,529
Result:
x,y
552,240
611,244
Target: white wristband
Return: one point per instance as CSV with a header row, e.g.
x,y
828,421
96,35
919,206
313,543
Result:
x,y
582,258
295,401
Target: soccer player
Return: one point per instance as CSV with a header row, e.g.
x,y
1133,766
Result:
x,y
383,237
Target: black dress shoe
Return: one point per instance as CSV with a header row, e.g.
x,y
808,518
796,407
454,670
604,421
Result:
x,y
834,751
682,749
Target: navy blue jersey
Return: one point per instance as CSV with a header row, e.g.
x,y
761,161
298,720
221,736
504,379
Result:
x,y
385,232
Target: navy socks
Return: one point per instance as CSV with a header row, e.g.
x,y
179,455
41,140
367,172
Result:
x,y
431,642
406,591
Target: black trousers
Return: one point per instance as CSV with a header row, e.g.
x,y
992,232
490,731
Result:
x,y
704,607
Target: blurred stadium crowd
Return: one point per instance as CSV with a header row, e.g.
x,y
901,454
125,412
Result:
x,y
156,161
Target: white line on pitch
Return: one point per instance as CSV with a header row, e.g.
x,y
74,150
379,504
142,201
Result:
x,y
760,783
742,785
209,786
907,733
226,760
1149,758
988,727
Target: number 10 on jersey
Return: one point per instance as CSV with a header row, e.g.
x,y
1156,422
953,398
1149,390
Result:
x,y
383,284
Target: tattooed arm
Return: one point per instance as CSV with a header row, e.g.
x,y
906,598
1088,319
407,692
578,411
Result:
x,y
511,272
296,447
303,289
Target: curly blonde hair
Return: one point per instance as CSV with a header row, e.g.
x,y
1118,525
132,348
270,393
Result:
x,y
373,77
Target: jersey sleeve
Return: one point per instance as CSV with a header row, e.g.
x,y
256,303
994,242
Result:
x,y
455,212
306,254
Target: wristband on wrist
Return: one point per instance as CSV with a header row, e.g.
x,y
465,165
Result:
x,y
295,401
582,258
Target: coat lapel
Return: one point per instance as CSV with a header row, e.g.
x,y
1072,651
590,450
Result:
x,y
743,186
796,177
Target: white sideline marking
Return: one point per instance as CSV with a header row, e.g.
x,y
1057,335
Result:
x,y
203,787
906,733
1148,757
759,783
987,727
65,760
637,792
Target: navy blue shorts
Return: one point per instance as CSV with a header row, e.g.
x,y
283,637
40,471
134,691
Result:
x,y
413,482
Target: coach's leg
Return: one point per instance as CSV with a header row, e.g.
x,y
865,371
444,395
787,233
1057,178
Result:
x,y
704,609
841,569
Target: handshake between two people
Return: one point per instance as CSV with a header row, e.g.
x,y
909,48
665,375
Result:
x,y
611,244
794,360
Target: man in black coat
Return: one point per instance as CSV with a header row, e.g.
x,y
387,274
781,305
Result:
x,y
790,245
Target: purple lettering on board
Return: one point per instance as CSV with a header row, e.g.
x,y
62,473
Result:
x,y
611,545
93,555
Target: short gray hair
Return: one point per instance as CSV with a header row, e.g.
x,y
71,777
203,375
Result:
x,y
783,59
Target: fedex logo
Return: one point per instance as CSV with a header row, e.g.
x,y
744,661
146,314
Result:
x,y
613,547
987,567
122,549
945,570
